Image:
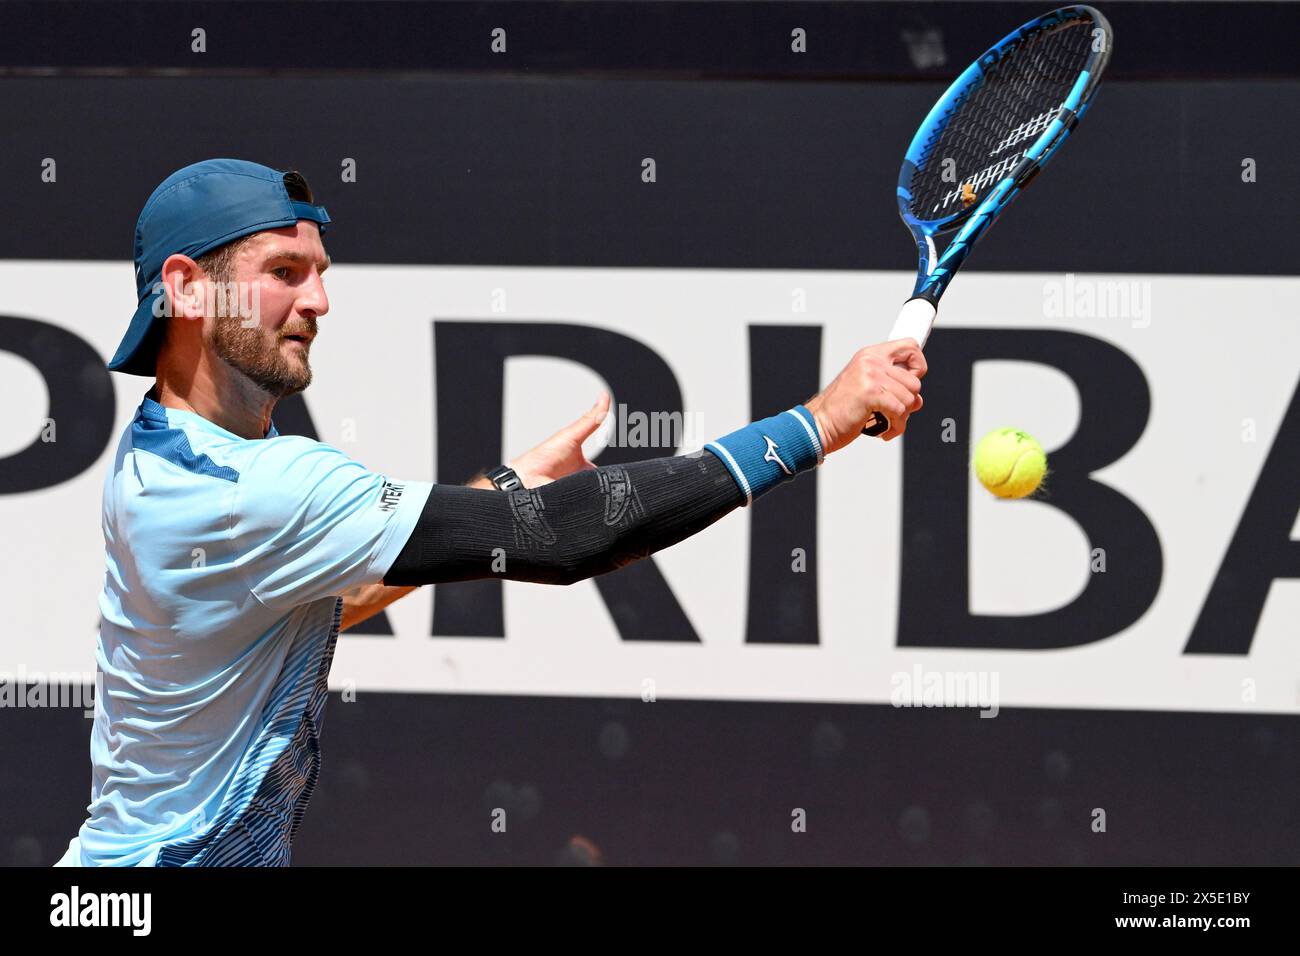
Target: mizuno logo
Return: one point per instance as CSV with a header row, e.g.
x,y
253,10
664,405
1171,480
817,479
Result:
x,y
773,456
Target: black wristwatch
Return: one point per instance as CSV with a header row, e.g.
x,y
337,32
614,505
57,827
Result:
x,y
504,477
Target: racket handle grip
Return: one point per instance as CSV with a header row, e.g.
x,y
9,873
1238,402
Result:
x,y
915,320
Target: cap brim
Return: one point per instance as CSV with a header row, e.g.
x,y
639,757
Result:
x,y
138,353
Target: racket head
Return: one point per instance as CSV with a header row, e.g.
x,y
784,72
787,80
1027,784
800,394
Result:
x,y
995,127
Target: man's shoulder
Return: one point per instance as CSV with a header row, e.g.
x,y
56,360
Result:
x,y
287,454
264,459
292,474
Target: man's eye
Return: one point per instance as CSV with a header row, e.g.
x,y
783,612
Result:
x,y
281,272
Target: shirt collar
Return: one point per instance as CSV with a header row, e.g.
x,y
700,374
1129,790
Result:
x,y
153,413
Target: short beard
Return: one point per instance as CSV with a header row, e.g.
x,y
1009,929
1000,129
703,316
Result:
x,y
246,350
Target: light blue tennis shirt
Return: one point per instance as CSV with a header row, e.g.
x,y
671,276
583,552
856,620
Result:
x,y
225,559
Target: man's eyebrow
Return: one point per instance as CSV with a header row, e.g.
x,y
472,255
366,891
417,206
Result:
x,y
294,256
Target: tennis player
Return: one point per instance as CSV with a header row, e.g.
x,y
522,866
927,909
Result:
x,y
234,554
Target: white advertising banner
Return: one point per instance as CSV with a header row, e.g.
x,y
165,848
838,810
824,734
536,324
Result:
x,y
1220,357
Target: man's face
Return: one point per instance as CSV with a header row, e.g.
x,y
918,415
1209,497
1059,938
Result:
x,y
279,272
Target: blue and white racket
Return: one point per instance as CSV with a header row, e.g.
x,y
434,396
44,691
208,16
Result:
x,y
985,140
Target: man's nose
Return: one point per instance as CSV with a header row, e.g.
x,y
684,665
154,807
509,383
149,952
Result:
x,y
313,300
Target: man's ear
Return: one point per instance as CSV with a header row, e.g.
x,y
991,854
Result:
x,y
186,287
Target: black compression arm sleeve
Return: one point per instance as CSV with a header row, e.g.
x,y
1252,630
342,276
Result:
x,y
569,530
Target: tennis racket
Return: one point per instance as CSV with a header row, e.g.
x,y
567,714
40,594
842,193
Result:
x,y
984,142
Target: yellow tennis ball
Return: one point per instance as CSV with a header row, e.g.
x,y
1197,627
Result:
x,y
1010,463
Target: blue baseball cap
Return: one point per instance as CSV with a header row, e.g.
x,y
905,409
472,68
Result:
x,y
192,212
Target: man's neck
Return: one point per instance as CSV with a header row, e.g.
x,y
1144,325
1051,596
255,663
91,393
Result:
x,y
238,405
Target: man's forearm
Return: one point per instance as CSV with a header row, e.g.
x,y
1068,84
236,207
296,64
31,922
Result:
x,y
597,521
579,526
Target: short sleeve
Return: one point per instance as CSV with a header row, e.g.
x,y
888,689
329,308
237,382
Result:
x,y
308,522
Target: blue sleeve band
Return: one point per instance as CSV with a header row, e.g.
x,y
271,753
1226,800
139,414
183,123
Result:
x,y
762,455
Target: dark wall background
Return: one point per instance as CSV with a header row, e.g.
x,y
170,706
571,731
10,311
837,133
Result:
x,y
762,163
751,174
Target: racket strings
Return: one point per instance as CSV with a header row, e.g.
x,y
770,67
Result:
x,y
997,120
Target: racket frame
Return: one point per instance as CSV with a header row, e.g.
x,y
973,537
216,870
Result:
x,y
935,271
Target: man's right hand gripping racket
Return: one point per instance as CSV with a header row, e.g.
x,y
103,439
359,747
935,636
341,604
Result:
x,y
987,137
